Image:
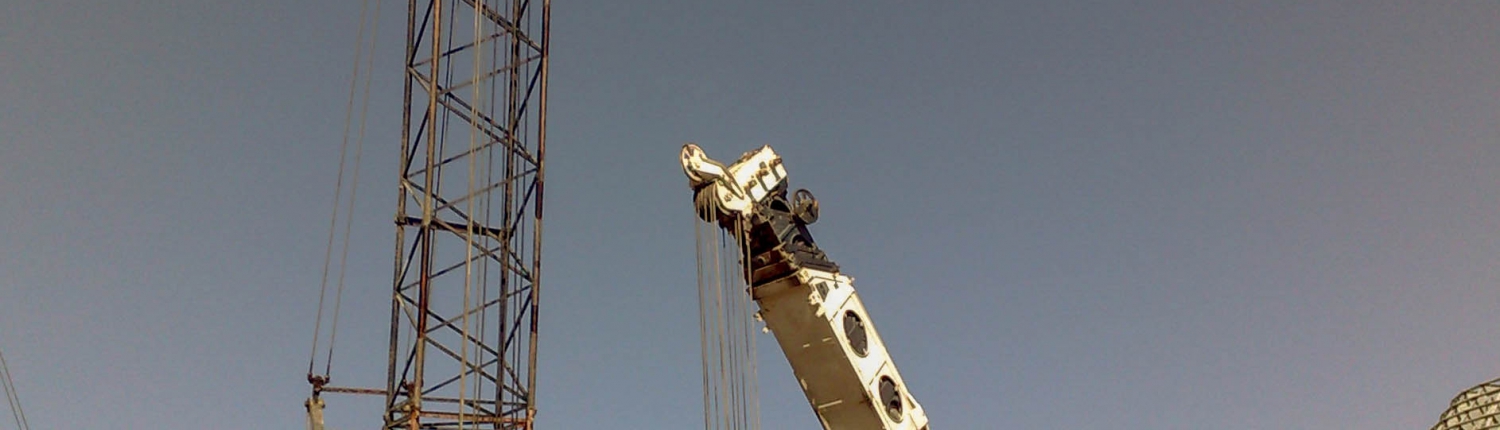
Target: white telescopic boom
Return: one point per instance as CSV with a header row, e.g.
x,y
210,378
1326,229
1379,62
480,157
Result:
x,y
805,300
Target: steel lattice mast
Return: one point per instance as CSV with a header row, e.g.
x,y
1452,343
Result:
x,y
463,344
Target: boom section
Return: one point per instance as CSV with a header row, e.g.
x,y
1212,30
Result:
x,y
809,305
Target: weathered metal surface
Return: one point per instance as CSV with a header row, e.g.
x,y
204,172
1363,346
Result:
x,y
1477,408
467,272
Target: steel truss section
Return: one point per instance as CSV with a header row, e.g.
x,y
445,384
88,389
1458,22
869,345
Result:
x,y
1477,408
463,342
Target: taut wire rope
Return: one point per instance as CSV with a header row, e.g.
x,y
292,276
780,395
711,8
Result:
x,y
359,148
12,396
474,131
728,355
359,54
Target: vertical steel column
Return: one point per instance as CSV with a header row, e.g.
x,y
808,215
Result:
x,y
469,216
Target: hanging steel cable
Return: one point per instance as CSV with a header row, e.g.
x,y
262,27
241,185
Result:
x,y
725,331
12,397
359,147
363,62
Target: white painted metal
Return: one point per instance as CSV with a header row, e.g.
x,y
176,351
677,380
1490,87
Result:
x,y
841,386
805,311
737,187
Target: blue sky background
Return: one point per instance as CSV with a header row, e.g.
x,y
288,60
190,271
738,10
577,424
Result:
x,y
1061,214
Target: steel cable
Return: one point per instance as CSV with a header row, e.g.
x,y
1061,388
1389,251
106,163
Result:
x,y
359,147
338,191
474,131
727,355
752,379
12,397
699,226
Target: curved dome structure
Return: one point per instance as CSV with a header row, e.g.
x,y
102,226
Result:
x,y
1477,408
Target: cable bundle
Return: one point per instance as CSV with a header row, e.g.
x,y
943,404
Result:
x,y
730,393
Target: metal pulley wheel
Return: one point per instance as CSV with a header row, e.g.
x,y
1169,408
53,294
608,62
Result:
x,y
805,206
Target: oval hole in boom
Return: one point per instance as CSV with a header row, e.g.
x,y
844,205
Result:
x,y
856,333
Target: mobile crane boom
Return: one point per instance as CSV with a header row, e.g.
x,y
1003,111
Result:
x,y
806,302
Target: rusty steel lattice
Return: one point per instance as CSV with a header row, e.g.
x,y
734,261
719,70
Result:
x,y
463,343
1477,408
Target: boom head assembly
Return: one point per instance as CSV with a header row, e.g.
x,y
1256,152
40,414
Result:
x,y
750,195
734,190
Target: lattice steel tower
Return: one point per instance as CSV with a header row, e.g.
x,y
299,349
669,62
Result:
x,y
463,345
1477,408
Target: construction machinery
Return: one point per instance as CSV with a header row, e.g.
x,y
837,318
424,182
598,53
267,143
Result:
x,y
804,299
466,282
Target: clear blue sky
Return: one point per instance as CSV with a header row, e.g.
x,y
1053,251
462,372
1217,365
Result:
x,y
1061,214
